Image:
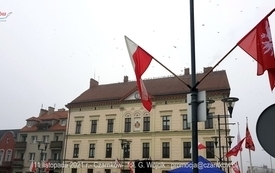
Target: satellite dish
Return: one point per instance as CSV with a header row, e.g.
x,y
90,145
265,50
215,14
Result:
x,y
265,128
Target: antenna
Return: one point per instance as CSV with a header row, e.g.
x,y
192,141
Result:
x,y
94,74
42,106
54,105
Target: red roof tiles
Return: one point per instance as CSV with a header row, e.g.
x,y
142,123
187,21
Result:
x,y
47,116
157,88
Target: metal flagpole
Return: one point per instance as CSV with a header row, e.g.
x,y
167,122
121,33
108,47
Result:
x,y
250,160
194,93
241,160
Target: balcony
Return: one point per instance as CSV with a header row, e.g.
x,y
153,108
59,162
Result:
x,y
56,145
18,163
5,164
20,145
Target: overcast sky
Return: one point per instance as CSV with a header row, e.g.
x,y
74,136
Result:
x,y
50,49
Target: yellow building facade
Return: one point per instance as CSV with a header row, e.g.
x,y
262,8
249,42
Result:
x,y
108,126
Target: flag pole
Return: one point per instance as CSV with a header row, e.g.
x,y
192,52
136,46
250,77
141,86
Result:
x,y
194,91
233,48
241,159
171,72
250,160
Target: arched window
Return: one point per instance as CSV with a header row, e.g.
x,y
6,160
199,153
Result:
x,y
2,152
8,155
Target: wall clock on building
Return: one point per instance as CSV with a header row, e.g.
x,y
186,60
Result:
x,y
137,96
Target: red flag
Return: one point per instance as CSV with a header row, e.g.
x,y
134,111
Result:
x,y
200,147
239,139
234,151
32,167
258,44
140,61
249,144
236,167
47,167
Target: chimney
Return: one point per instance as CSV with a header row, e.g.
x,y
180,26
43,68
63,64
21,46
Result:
x,y
125,79
206,69
186,71
93,83
42,111
50,110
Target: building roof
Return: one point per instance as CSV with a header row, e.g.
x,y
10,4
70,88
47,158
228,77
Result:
x,y
157,88
47,115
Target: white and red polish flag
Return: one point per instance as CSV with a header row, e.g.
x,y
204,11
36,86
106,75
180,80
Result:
x,y
236,167
140,60
32,167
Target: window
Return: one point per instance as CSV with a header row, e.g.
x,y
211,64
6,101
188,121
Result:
x,y
108,150
146,124
165,123
107,170
110,125
186,149
78,127
76,151
55,138
43,157
185,123
2,152
90,170
31,156
20,155
165,150
74,170
45,139
23,138
56,155
8,155
127,127
63,122
209,122
34,139
92,151
210,152
126,150
145,150
93,126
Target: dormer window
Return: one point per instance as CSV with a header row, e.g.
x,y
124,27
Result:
x,y
48,121
30,123
63,122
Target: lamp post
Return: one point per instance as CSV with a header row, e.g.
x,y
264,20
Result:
x,y
42,150
229,102
125,146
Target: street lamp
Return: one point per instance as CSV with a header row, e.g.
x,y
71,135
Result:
x,y
42,150
125,146
229,102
